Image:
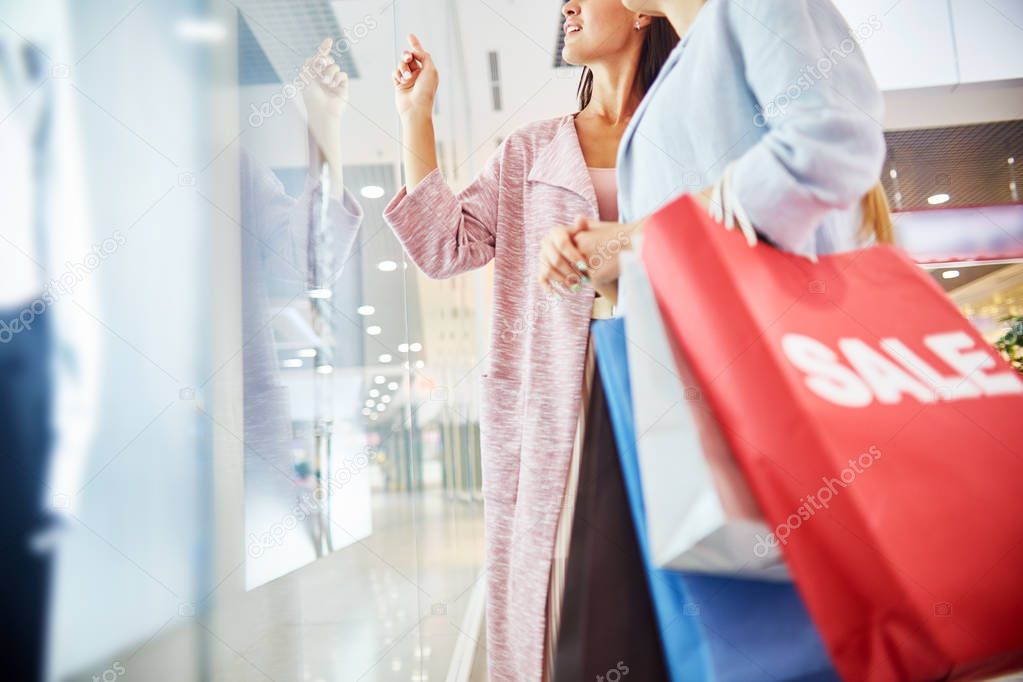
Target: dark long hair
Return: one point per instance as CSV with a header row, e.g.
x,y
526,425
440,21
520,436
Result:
x,y
659,42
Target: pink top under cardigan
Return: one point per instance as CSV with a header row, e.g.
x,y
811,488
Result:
x,y
605,186
536,180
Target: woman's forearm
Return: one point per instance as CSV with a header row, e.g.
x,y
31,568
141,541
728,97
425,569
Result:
x,y
420,147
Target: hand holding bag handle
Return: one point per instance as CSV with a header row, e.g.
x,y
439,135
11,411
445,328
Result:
x,y
726,208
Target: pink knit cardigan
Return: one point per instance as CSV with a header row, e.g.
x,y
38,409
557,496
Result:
x,y
530,398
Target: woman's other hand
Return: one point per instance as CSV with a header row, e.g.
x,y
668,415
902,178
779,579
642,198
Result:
x,y
600,243
415,80
561,265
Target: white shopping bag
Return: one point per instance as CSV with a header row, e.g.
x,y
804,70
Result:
x,y
701,515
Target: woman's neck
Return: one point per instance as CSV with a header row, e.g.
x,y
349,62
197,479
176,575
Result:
x,y
614,98
681,13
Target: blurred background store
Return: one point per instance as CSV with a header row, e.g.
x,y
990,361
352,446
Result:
x,y
281,481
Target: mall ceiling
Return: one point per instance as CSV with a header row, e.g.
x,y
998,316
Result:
x,y
962,166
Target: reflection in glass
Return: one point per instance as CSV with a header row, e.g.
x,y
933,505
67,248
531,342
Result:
x,y
361,426
294,249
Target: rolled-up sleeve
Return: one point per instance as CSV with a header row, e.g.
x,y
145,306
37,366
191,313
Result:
x,y
444,233
824,145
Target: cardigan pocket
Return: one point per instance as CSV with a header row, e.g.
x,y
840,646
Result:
x,y
500,437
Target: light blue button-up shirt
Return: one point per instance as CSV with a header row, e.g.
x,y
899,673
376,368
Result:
x,y
782,89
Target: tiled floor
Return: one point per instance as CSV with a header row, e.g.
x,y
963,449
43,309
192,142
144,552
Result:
x,y
388,608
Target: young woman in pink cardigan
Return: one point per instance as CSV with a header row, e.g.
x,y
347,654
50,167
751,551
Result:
x,y
544,174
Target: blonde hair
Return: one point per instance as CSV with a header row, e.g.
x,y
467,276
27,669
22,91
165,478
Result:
x,y
877,217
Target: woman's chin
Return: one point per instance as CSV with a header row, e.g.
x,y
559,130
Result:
x,y
570,57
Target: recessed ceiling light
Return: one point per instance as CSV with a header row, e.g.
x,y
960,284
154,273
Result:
x,y
324,369
292,362
1012,160
373,330
201,30
372,191
950,274
403,348
938,199
307,353
386,399
366,410
370,403
365,310
381,407
420,364
387,266
416,347
393,386
378,380
374,393
385,358
320,293
373,416
893,174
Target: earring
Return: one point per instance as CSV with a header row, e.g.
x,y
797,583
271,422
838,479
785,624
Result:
x,y
638,26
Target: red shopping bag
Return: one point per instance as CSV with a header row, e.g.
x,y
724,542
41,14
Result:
x,y
880,434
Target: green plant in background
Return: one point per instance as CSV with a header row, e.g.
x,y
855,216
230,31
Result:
x,y
1011,344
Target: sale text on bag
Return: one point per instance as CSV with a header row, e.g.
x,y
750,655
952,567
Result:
x,y
857,374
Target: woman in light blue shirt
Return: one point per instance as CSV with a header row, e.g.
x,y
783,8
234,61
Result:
x,y
779,89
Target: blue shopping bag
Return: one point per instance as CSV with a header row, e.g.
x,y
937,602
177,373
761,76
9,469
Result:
x,y
712,628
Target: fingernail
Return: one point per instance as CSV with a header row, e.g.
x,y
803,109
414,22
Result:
x,y
405,75
575,288
586,280
581,265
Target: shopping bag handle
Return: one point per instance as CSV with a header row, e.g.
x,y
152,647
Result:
x,y
726,208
